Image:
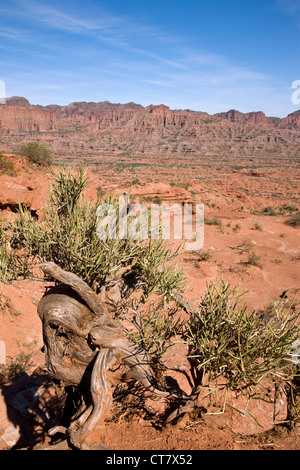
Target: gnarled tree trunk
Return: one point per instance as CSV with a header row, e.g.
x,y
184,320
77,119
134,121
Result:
x,y
82,343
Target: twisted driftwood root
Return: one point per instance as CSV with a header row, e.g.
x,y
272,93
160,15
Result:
x,y
96,413
82,342
131,355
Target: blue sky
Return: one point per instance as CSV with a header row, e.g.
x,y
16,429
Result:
x,y
206,55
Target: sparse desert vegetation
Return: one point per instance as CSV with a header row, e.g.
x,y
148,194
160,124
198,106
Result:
x,y
224,350
36,153
149,228
228,349
7,167
294,220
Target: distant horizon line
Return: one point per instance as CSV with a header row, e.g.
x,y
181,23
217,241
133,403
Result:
x,y
148,106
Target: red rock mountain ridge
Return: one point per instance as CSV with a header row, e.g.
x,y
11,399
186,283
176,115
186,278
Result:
x,y
101,129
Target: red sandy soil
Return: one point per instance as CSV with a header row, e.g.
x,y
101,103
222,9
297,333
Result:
x,y
232,196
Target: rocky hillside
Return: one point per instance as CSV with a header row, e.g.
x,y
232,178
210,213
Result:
x,y
105,129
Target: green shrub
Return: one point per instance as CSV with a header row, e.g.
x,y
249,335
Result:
x,y
236,228
68,237
177,184
277,260
135,181
214,221
202,255
257,226
157,200
155,328
7,167
229,349
294,220
13,264
253,259
20,363
232,349
289,208
36,153
269,210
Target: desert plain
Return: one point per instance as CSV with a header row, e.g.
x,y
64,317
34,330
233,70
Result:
x,y
245,169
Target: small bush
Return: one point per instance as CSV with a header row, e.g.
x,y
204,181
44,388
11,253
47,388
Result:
x,y
155,328
203,255
7,167
232,349
157,200
245,247
257,226
13,264
277,260
135,181
237,228
68,237
36,153
253,259
180,185
214,221
294,220
20,363
269,211
289,208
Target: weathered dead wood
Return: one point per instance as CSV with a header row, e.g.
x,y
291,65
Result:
x,y
83,290
82,342
65,328
131,355
101,394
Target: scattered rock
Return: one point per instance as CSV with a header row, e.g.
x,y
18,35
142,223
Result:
x,y
11,436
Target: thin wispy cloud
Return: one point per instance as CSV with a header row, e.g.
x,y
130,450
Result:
x,y
120,31
53,17
15,34
89,51
289,6
103,26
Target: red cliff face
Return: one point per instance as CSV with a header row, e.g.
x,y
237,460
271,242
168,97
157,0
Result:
x,y
25,118
232,116
292,119
106,128
17,101
251,118
258,118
